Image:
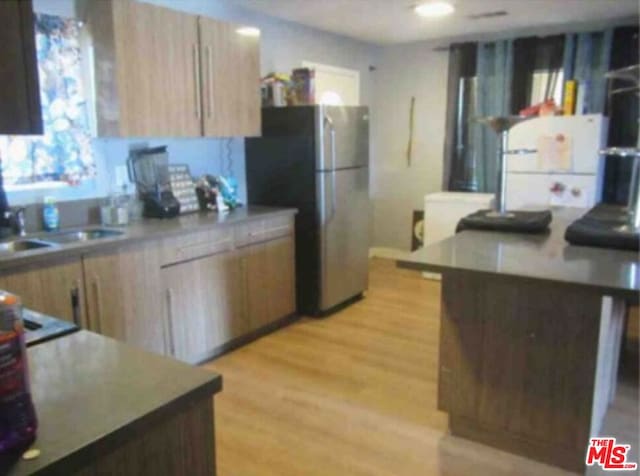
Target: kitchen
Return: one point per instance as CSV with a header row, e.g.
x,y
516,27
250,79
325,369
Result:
x,y
217,302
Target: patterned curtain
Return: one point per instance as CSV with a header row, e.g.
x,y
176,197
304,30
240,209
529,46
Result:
x,y
63,153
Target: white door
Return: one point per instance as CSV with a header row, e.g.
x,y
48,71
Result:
x,y
335,86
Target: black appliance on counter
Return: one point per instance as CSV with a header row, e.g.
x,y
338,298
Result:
x,y
149,169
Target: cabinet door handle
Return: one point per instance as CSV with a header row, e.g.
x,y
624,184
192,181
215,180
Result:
x,y
196,74
172,346
98,302
209,80
75,302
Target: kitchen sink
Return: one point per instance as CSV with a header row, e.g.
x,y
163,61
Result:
x,y
21,245
83,235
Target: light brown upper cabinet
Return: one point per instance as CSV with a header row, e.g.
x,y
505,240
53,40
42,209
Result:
x,y
231,85
160,72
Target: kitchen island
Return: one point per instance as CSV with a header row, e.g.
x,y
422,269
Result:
x,y
530,337
107,408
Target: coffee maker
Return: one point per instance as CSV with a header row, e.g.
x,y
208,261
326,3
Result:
x,y
149,169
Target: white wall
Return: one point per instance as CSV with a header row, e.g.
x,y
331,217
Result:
x,y
397,189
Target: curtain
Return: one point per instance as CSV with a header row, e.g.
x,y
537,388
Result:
x,y
458,155
536,59
623,112
586,59
494,69
513,74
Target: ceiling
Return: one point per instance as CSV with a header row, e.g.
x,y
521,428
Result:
x,y
393,21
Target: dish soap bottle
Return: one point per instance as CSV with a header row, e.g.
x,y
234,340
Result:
x,y
50,214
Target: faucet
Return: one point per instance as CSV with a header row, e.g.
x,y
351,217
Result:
x,y
18,221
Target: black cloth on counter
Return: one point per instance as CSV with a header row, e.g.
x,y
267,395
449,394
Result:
x,y
600,227
517,222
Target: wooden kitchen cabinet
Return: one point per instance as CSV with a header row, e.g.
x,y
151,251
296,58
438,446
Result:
x,y
146,69
20,111
123,295
268,270
231,73
160,72
55,288
203,301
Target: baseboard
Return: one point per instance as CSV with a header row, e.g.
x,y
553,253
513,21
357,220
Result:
x,y
389,253
247,338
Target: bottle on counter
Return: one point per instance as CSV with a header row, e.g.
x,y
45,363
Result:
x,y
50,214
18,423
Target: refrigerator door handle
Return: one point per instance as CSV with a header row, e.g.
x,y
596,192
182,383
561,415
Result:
x,y
332,136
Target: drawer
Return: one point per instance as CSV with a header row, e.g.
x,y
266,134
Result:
x,y
195,245
257,231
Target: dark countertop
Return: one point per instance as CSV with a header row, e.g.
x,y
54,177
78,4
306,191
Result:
x,y
148,228
91,392
547,256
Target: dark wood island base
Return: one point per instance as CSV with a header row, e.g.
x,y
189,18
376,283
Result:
x,y
530,338
181,445
106,408
527,366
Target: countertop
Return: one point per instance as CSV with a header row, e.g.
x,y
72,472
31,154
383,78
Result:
x,y
148,228
91,392
547,256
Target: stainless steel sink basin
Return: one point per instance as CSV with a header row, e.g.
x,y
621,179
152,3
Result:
x,y
21,245
83,235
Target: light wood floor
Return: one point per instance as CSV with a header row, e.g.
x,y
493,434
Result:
x,y
355,394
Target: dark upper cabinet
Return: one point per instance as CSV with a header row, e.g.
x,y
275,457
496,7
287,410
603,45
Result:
x,y
20,111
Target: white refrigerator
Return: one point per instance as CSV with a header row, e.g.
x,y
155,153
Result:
x,y
565,169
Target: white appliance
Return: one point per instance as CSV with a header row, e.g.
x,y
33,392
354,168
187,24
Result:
x,y
565,169
443,211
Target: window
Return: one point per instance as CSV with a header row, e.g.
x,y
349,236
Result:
x,y
546,84
63,155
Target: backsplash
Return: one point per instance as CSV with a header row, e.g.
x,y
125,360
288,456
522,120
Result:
x,y
203,156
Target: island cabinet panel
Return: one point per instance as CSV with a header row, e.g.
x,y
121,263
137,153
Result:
x,y
268,271
123,299
54,288
231,72
20,111
203,302
181,445
517,364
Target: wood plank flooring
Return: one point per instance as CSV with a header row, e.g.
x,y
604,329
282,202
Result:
x,y
355,394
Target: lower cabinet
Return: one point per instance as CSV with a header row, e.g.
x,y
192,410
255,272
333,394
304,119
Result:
x,y
123,302
268,271
184,296
55,289
204,305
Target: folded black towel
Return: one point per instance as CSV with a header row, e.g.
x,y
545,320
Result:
x,y
515,222
602,227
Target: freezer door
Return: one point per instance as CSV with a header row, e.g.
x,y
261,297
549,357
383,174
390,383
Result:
x,y
342,137
344,234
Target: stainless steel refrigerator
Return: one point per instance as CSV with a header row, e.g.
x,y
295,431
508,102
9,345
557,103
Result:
x,y
316,158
